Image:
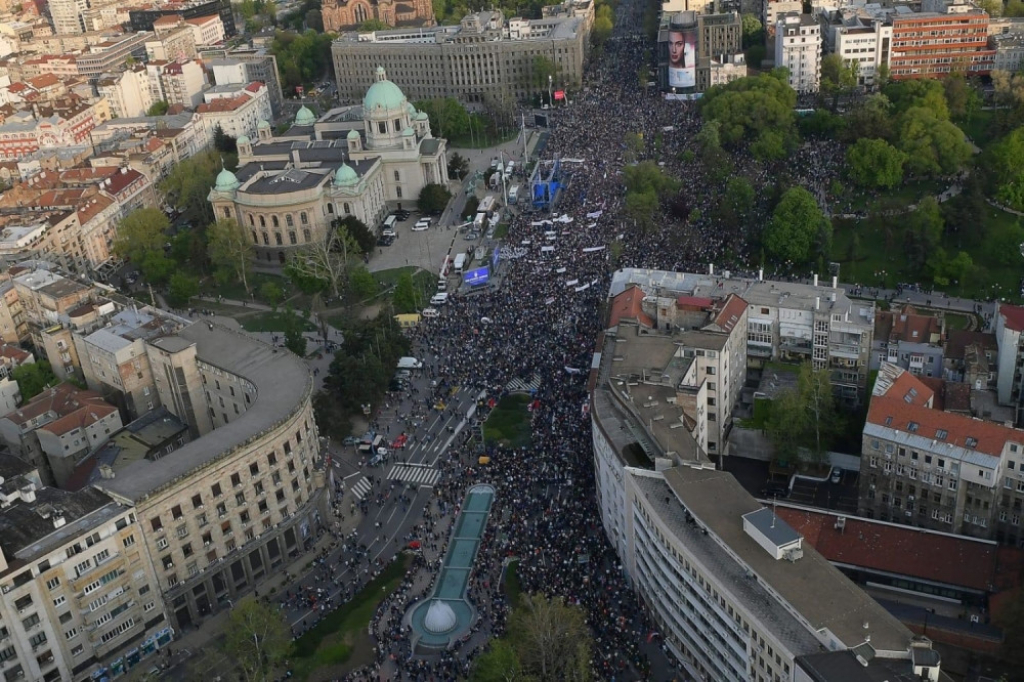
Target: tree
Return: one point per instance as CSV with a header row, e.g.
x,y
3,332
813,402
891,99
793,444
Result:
x,y
189,182
182,288
257,638
994,8
373,25
798,231
158,108
753,30
805,416
271,293
302,58
1004,169
838,77
314,20
33,378
875,163
358,230
543,73
647,176
500,663
448,117
231,248
223,142
962,97
603,25
872,118
749,105
923,232
293,337
933,146
919,93
458,166
325,264
142,232
361,282
157,268
551,638
641,208
404,296
433,198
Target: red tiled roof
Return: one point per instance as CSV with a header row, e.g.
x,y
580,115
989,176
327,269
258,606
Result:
x,y
907,387
92,207
61,400
222,104
13,353
1013,315
990,436
730,314
43,80
199,21
20,86
902,550
627,305
91,411
255,86
122,179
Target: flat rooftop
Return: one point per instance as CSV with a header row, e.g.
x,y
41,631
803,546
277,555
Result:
x,y
282,381
815,589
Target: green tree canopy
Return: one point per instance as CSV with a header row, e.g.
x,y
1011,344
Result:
x,y
923,233
747,106
458,166
798,231
404,296
188,184
647,176
934,146
753,30
551,639
258,638
359,231
142,232
1004,169
500,663
433,198
922,93
302,58
33,377
448,117
361,282
806,416
871,117
182,288
875,163
231,248
158,108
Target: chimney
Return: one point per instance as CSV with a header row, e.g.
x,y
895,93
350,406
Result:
x,y
815,279
58,518
28,493
106,472
835,283
711,268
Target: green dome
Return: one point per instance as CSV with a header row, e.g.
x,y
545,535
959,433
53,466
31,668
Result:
x,y
263,124
383,95
226,181
305,117
353,134
422,116
408,132
410,108
345,176
244,139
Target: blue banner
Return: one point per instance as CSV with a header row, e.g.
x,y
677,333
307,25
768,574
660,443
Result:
x,y
495,256
477,277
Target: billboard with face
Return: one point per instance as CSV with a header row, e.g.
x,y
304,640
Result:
x,y
682,58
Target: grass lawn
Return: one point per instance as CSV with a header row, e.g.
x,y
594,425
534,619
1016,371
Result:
x,y
235,291
341,637
877,263
979,130
955,321
910,192
509,422
501,231
513,588
273,322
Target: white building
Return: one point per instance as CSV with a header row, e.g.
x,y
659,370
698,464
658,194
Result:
x,y
728,70
798,48
67,16
236,110
773,10
127,92
1010,362
177,82
208,30
1009,52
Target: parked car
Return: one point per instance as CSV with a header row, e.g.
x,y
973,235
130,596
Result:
x,y
837,474
349,440
775,490
385,241
421,225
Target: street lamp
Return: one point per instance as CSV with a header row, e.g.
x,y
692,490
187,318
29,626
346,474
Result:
x,y
551,100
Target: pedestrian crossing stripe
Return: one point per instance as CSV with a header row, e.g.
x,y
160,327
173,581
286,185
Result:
x,y
520,386
360,489
419,475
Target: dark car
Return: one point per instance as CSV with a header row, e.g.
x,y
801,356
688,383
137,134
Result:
x,y
350,440
775,490
402,215
385,241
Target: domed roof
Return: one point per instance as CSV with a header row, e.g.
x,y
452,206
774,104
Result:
x,y
226,181
244,139
422,116
383,95
440,618
264,123
410,108
305,117
353,134
345,175
408,131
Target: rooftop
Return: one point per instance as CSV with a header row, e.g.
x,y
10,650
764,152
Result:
x,y
824,598
282,381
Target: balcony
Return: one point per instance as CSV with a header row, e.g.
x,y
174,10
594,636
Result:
x,y
795,346
849,351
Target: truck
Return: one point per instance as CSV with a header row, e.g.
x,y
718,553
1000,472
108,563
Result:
x,y
410,363
513,194
460,263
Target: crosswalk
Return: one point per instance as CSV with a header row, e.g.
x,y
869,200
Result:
x,y
518,385
419,475
360,489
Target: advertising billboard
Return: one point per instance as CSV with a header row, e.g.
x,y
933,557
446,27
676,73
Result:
x,y
477,277
682,57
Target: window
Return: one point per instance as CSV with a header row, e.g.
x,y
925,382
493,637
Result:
x,y
274,221
292,238
82,567
303,218
59,601
288,220
102,556
254,469
240,499
52,583
156,523
971,442
277,239
236,480
215,489
307,235
197,501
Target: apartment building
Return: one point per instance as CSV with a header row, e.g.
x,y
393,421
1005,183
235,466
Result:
x,y
177,82
736,593
1009,324
174,41
859,35
56,428
483,57
786,321
936,469
908,339
67,15
79,593
257,64
208,30
933,44
720,49
237,110
142,18
798,48
222,511
127,92
185,133
27,132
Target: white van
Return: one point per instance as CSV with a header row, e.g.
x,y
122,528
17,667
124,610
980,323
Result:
x,y
460,264
429,313
442,285
439,299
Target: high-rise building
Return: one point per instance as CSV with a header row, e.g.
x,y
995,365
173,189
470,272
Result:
x,y
798,49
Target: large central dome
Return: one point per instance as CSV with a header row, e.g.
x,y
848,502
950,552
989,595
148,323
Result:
x,y
383,94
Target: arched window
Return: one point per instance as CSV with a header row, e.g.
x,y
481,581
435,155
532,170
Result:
x,y
255,237
227,211
398,177
347,211
277,223
303,219
361,14
251,220
266,238
330,208
306,235
277,239
263,221
288,220
291,237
